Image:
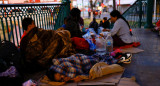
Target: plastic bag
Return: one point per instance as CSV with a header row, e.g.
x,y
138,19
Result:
x,y
100,29
89,39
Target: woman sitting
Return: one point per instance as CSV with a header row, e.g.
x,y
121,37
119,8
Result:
x,y
121,33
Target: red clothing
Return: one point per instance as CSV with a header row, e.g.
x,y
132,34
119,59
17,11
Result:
x,y
24,33
158,23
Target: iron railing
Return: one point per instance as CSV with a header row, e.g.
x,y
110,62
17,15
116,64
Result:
x,y
157,10
136,14
45,15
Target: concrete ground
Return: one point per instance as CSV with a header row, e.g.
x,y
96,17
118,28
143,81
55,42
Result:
x,y
145,66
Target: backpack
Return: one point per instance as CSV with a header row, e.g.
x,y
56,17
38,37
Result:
x,y
9,55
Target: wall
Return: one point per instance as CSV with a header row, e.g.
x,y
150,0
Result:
x,y
16,1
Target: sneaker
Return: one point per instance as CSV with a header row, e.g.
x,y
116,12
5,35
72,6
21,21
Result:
x,y
127,62
126,58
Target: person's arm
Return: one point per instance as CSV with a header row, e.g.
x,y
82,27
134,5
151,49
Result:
x,y
77,79
116,28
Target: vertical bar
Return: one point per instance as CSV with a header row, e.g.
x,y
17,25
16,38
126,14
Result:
x,y
15,26
150,6
7,28
3,29
52,16
140,13
39,18
43,18
12,29
45,21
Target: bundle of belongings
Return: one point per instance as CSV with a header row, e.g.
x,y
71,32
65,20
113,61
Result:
x,y
10,64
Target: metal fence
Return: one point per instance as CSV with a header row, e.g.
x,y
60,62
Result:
x,y
157,10
46,16
136,14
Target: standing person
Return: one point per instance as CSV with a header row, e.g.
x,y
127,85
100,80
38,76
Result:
x,y
121,30
94,25
89,12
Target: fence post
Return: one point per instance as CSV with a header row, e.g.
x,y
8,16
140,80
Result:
x,y
150,5
140,13
67,6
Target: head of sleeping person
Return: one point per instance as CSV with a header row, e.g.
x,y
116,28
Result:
x,y
57,77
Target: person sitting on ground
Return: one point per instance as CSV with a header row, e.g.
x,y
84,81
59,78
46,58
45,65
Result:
x,y
100,23
72,27
105,24
121,32
94,25
76,14
39,46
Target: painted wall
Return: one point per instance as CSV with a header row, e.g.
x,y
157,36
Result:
x,y
16,1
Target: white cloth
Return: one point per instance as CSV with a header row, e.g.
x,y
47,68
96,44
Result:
x,y
121,29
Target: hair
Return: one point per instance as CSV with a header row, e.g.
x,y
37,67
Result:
x,y
116,13
50,74
73,27
26,22
104,18
94,19
75,13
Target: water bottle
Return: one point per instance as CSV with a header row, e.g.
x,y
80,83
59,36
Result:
x,y
109,43
100,45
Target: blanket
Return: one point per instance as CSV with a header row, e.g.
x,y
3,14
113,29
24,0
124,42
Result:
x,y
134,44
74,65
39,46
98,70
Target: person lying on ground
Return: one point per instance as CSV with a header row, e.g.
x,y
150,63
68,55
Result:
x,y
38,47
71,68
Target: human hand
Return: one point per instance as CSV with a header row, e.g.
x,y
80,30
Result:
x,y
77,79
106,30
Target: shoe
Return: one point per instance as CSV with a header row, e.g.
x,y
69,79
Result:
x,y
127,62
126,58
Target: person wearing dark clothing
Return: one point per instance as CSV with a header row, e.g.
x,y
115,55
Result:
x,y
76,14
94,25
72,26
100,24
38,47
105,24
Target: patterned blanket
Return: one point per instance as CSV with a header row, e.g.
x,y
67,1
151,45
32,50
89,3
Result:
x,y
74,65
